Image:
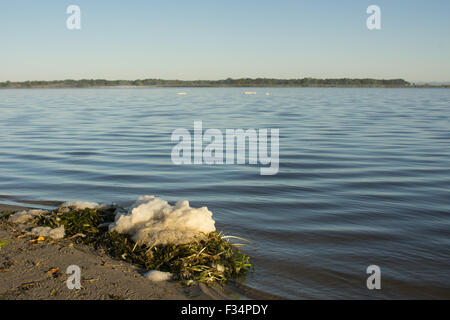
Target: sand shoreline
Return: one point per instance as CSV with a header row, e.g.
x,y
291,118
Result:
x,y
25,266
31,270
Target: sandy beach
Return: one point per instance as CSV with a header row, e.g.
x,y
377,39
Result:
x,y
37,270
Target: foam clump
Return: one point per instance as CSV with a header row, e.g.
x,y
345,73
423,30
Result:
x,y
55,234
25,215
81,205
154,221
155,275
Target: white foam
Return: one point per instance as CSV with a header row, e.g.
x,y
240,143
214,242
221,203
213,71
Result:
x,y
80,205
155,275
219,268
25,215
154,221
56,234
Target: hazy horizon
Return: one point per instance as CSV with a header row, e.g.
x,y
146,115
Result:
x,y
437,83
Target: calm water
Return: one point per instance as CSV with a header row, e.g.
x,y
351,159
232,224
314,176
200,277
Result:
x,y
364,175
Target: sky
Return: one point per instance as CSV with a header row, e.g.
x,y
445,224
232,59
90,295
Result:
x,y
199,39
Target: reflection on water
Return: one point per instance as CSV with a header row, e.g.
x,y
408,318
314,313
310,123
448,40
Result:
x,y
364,175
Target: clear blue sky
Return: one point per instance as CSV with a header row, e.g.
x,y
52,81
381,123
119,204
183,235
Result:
x,y
212,39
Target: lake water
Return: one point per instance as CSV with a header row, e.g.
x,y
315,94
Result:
x,y
364,175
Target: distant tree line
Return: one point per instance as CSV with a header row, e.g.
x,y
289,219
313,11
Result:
x,y
244,82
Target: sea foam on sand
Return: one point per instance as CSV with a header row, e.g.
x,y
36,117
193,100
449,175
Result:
x,y
56,234
155,275
154,221
25,215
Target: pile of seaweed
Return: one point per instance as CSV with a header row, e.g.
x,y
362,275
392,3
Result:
x,y
211,258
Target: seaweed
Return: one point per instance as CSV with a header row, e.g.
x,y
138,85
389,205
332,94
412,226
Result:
x,y
2,243
85,221
4,215
211,258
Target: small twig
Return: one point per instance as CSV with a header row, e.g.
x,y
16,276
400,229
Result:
x,y
77,235
239,238
201,251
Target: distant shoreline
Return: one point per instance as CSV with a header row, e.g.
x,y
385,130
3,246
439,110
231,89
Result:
x,y
227,83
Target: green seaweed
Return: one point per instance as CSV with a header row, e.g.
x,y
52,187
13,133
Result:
x,y
75,222
209,259
4,215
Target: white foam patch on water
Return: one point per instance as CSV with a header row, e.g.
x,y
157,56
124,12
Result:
x,y
154,221
80,205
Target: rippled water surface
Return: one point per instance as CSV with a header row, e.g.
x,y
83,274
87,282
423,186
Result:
x,y
364,175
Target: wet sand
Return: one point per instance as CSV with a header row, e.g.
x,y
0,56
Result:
x,y
8,207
